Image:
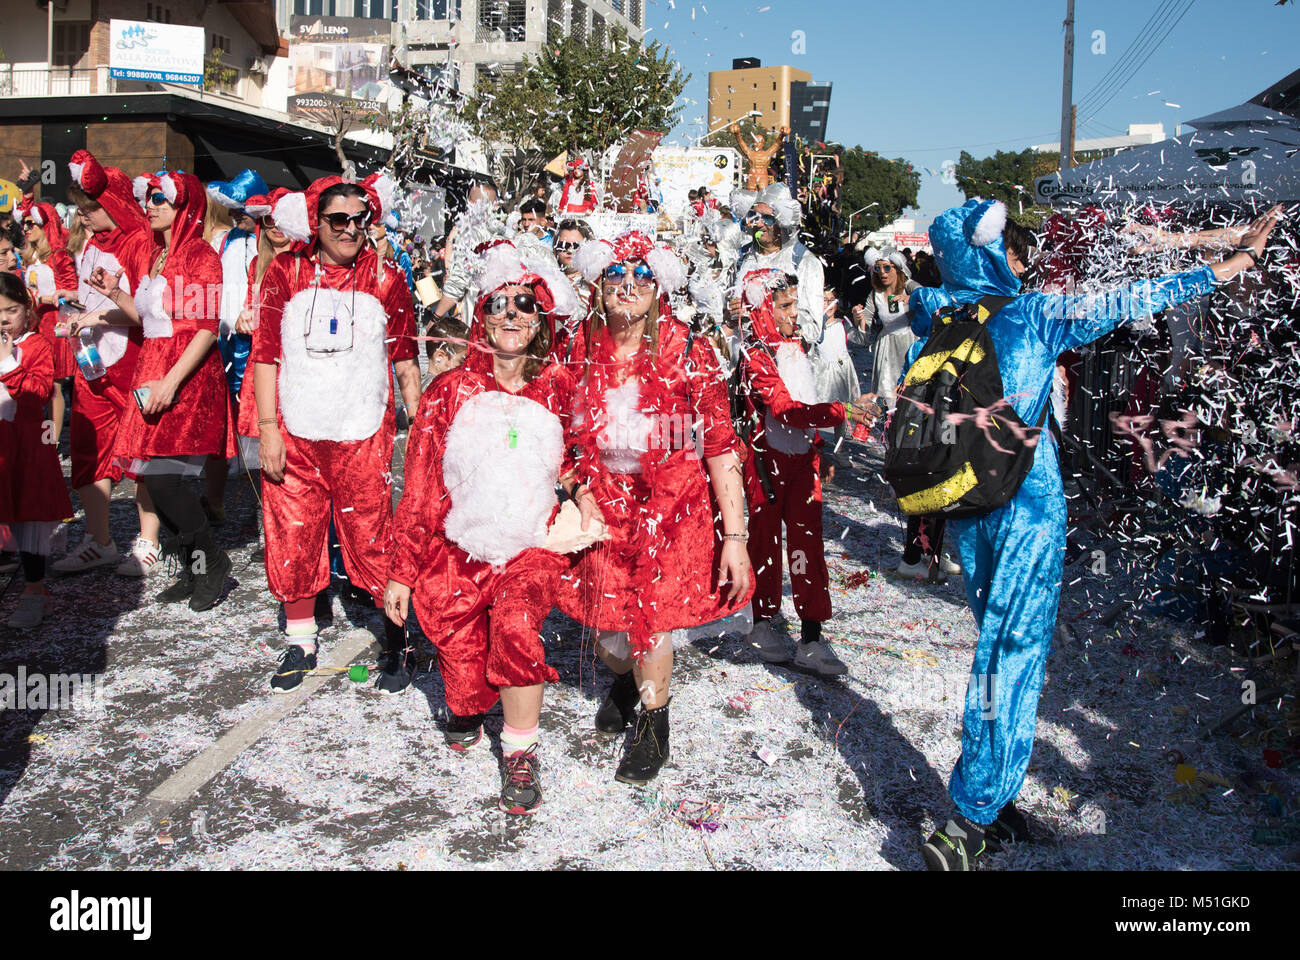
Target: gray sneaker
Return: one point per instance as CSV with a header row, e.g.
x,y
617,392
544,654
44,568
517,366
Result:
x,y
818,657
29,613
771,646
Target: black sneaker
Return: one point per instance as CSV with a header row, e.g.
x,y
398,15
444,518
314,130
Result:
x,y
295,664
947,850
619,708
462,733
209,584
522,793
1010,827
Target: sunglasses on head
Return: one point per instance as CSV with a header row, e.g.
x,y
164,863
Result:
x,y
340,221
566,246
524,303
616,273
157,199
768,220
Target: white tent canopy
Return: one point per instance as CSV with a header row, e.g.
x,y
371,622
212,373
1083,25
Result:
x,y
1244,156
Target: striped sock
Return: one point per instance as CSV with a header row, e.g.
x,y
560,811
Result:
x,y
516,741
302,632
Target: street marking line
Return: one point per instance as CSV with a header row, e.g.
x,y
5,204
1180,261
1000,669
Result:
x,y
189,779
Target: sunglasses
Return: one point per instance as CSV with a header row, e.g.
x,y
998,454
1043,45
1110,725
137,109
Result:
x,y
29,224
524,303
157,199
267,221
566,246
885,266
341,221
616,273
767,219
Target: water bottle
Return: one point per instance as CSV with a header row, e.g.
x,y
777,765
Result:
x,y
92,367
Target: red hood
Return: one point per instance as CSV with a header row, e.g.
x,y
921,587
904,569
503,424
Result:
x,y
47,218
296,213
185,192
110,188
762,315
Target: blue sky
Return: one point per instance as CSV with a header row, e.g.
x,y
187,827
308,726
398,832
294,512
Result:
x,y
925,80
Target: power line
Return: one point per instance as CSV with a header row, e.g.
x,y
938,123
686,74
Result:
x,y
1127,56
1133,72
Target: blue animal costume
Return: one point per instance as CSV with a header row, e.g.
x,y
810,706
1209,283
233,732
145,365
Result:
x,y
1013,556
238,251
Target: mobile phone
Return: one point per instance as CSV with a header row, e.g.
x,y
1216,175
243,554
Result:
x,y
74,304
141,395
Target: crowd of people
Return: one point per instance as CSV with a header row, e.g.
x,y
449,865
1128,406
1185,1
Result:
x,y
629,430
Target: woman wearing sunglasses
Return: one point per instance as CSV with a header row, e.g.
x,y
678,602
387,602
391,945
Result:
x,y
475,547
181,414
656,447
333,318
886,319
51,273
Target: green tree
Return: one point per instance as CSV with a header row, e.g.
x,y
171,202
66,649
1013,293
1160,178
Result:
x,y
580,96
885,187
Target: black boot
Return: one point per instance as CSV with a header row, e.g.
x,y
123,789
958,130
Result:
x,y
649,748
619,708
213,566
178,550
397,664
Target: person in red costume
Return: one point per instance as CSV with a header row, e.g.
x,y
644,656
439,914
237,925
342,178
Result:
x,y
33,498
51,275
473,541
333,317
782,477
579,193
653,429
181,410
116,225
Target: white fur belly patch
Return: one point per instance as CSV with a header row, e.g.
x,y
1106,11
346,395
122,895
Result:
x,y
500,462
334,370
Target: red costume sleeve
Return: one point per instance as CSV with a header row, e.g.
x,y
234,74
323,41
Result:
x,y
276,292
417,523
34,374
765,380
709,401
65,270
401,314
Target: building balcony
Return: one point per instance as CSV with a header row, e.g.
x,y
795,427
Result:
x,y
21,80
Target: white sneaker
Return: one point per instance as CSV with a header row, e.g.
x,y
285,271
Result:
x,y
949,566
818,657
86,557
30,611
770,645
921,571
144,557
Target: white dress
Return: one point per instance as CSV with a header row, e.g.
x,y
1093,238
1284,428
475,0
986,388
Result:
x,y
892,343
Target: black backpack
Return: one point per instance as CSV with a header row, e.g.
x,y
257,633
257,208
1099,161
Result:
x,y
955,469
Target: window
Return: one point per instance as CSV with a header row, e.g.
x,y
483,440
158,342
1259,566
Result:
x,y
157,13
502,20
578,20
71,41
598,30
220,43
634,13
436,9
773,86
773,104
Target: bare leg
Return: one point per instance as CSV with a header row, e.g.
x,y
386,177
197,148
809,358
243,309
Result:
x,y
58,407
620,665
94,500
522,706
655,671
148,519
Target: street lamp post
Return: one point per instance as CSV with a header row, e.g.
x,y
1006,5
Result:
x,y
855,213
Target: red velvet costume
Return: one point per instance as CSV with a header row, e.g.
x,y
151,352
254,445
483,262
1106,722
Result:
x,y
575,198
659,570
57,272
781,390
333,331
481,469
184,298
31,480
98,405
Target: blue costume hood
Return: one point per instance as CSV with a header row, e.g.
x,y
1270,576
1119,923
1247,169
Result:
x,y
967,243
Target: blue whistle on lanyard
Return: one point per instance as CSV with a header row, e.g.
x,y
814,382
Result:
x,y
334,326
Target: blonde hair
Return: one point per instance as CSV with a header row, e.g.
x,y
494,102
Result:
x,y
266,253
596,322
216,220
77,236
39,251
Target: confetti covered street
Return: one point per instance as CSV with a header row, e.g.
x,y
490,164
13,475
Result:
x,y
770,768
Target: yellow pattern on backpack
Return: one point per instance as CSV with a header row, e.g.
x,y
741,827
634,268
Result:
x,y
934,499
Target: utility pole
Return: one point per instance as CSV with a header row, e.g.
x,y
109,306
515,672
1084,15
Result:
x,y
1067,91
